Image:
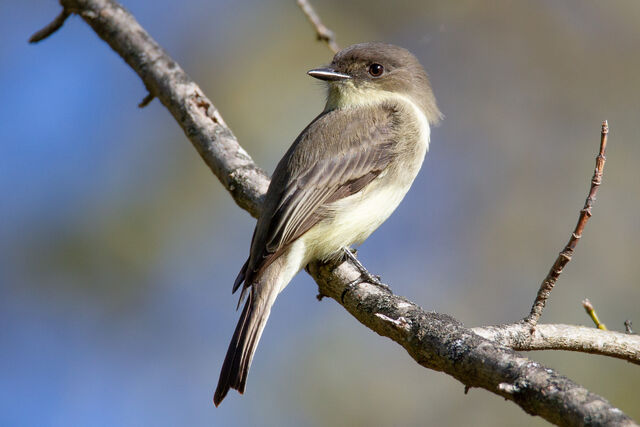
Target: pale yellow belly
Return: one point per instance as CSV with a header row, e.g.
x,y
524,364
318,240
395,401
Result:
x,y
356,217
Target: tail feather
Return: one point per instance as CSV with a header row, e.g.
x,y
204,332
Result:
x,y
242,347
241,275
262,293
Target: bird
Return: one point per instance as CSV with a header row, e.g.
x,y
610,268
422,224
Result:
x,y
342,177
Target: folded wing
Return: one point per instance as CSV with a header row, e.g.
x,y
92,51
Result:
x,y
336,156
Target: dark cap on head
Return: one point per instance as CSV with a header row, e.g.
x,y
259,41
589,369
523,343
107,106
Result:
x,y
382,66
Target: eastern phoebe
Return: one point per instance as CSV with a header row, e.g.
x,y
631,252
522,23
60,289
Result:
x,y
342,177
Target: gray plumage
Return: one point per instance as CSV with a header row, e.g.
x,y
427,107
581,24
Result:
x,y
364,148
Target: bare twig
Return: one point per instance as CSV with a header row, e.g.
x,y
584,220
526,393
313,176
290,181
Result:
x,y
565,256
436,341
518,336
627,326
588,307
51,28
323,33
147,99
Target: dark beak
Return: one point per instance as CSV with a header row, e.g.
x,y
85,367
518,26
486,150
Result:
x,y
328,74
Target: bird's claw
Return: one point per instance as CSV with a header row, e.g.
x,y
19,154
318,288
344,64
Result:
x,y
365,276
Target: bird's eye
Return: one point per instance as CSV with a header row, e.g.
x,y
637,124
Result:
x,y
376,70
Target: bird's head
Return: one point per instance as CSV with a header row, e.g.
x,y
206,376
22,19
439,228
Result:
x,y
369,73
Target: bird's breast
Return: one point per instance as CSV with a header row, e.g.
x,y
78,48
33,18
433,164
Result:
x,y
355,217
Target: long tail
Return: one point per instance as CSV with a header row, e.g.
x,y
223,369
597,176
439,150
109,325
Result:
x,y
243,344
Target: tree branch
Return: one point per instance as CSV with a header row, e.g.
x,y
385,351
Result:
x,y
518,336
436,341
323,34
565,256
51,28
439,342
193,111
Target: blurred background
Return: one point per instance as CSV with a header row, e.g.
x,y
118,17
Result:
x,y
118,247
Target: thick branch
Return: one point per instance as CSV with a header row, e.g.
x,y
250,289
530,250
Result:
x,y
193,111
440,342
519,336
436,341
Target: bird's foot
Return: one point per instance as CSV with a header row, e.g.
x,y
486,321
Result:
x,y
365,276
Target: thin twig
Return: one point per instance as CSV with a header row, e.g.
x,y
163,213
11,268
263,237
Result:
x,y
627,326
588,307
565,256
323,33
51,28
147,99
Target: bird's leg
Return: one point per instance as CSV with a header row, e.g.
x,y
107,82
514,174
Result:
x,y
365,276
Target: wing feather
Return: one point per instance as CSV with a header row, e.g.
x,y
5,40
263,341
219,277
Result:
x,y
357,145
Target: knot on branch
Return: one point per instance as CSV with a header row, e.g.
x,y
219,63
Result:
x,y
400,323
